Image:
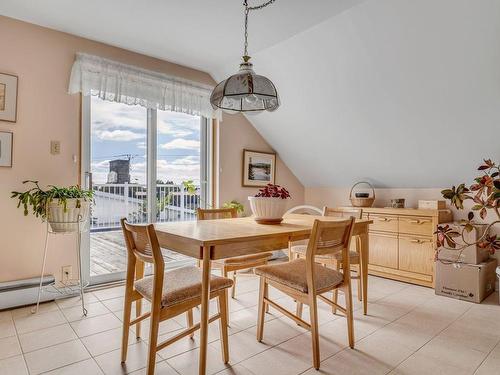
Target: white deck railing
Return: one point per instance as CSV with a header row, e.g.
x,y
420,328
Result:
x,y
114,201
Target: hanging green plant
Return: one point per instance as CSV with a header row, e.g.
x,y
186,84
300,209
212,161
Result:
x,y
38,199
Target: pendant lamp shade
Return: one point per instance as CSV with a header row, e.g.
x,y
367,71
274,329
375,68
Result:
x,y
245,91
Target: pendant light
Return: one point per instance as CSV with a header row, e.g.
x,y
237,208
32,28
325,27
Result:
x,y
246,91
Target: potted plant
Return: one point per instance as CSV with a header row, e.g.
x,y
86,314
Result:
x,y
62,207
235,204
485,193
269,204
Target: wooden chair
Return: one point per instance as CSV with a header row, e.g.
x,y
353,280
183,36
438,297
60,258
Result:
x,y
237,263
171,293
305,280
304,210
335,261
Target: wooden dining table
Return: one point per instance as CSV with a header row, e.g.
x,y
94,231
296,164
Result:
x,y
209,240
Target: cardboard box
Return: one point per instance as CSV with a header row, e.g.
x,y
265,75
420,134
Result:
x,y
467,282
471,254
431,204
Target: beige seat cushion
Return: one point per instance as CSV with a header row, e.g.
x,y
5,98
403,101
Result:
x,y
293,275
301,250
244,259
180,285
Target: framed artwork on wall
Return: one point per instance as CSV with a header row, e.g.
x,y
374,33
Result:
x,y
8,97
259,168
6,149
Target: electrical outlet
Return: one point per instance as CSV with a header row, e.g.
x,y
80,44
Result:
x,y
55,147
67,273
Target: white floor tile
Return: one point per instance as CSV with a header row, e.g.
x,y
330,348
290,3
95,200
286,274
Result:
x,y
408,331
46,337
93,309
92,325
38,321
106,341
56,356
111,364
9,347
7,328
87,367
13,366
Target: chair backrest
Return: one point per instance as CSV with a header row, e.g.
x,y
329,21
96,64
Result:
x,y
356,213
217,213
305,209
142,243
329,237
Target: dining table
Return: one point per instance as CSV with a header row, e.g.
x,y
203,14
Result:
x,y
209,240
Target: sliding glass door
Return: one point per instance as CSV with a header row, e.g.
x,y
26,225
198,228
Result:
x,y
144,165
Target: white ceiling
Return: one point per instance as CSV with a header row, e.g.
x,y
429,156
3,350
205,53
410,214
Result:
x,y
197,33
404,93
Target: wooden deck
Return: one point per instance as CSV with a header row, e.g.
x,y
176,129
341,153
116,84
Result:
x,y
108,254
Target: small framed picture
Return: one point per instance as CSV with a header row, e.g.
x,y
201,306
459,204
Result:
x,y
6,149
259,168
8,97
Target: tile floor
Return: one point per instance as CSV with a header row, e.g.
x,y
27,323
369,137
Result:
x,y
408,330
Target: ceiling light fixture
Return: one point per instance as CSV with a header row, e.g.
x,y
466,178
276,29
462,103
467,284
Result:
x,y
246,91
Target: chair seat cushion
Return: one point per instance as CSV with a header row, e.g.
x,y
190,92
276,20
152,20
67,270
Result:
x,y
301,250
293,275
180,285
244,259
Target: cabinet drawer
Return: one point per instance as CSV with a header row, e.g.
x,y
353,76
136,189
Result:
x,y
386,223
416,225
416,254
383,250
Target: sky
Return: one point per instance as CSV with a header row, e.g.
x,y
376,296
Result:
x,y
119,130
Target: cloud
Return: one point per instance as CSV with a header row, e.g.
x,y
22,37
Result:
x,y
100,165
168,128
141,145
178,172
118,135
188,160
181,143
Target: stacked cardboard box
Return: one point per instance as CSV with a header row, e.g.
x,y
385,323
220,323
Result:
x,y
467,274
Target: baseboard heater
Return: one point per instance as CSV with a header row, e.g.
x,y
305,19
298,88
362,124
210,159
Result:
x,y
25,292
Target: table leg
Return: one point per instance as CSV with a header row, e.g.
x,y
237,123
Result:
x,y
363,260
205,302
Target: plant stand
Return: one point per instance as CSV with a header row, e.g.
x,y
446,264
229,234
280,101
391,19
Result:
x,y
69,287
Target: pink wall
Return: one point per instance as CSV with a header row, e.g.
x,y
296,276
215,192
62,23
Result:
x,y
42,59
235,134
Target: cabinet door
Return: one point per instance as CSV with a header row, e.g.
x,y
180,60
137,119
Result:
x,y
383,249
416,254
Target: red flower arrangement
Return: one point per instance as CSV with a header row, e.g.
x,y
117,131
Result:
x,y
273,191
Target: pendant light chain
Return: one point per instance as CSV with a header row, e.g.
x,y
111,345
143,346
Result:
x,y
247,11
246,91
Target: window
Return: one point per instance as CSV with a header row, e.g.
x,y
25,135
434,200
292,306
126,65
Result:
x,y
145,165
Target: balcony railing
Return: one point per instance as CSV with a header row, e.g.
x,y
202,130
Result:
x,y
115,201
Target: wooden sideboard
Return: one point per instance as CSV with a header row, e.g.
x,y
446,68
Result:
x,y
402,243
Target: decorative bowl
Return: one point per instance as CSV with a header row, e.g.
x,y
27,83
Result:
x,y
268,210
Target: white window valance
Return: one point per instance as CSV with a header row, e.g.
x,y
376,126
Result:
x,y
117,82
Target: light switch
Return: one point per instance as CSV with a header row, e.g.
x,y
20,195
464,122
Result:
x,y
55,147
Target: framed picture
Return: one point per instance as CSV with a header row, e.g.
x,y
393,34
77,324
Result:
x,y
6,149
259,168
8,97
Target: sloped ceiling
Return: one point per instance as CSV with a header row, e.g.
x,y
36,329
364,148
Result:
x,y
404,93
